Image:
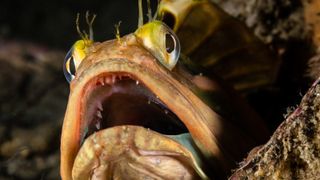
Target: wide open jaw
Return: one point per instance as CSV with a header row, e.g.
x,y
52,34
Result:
x,y
118,99
114,99
199,119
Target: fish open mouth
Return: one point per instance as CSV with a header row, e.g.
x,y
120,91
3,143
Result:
x,y
157,145
119,99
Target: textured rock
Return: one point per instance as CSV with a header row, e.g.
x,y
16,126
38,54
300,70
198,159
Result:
x,y
271,20
293,152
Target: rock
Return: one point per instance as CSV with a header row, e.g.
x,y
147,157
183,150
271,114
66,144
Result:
x,y
293,152
271,20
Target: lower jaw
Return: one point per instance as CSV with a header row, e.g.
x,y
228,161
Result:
x,y
134,152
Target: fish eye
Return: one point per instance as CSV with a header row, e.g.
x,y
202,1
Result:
x,y
172,47
74,57
170,43
69,68
161,41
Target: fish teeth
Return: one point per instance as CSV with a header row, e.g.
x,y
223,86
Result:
x,y
113,79
99,105
98,125
108,80
101,81
99,115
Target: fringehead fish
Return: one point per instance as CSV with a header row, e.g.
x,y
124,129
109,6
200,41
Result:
x,y
137,111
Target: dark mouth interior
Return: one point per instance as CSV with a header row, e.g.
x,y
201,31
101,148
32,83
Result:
x,y
120,100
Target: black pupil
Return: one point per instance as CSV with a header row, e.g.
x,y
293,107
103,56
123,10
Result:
x,y
169,43
72,66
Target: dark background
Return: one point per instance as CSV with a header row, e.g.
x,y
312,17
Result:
x,y
52,22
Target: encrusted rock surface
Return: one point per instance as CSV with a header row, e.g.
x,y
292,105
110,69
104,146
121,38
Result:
x,y
293,152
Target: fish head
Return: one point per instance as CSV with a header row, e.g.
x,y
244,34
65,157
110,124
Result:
x,y
127,93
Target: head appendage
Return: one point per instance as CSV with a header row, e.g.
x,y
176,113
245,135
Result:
x,y
89,23
155,16
117,27
83,34
140,19
149,11
150,18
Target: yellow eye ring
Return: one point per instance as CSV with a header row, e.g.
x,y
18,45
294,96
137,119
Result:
x,y
74,57
161,41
